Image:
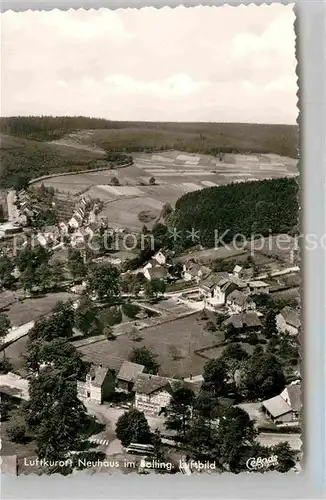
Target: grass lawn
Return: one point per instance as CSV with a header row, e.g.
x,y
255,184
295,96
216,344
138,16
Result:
x,y
174,343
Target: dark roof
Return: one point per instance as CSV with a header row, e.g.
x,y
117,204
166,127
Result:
x,y
129,371
291,317
147,384
97,374
294,392
215,279
238,298
241,320
157,272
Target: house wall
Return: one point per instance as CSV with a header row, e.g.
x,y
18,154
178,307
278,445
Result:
x,y
218,295
85,388
147,274
152,403
123,385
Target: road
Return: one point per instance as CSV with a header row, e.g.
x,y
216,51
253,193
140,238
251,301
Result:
x,y
17,332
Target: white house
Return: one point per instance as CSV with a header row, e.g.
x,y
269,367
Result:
x,y
288,321
76,221
153,393
64,228
93,388
285,407
258,286
237,271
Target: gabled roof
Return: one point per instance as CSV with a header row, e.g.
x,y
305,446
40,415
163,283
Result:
x,y
147,384
129,371
97,374
238,298
291,317
258,284
237,269
277,406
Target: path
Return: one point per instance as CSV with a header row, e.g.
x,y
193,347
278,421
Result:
x,y
17,332
288,270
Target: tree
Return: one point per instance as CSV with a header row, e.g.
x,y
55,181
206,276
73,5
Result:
x,y
166,210
262,377
5,364
180,411
233,356
33,264
154,287
215,377
6,269
202,440
103,281
76,263
87,318
115,181
206,406
270,327
152,181
57,273
235,433
54,414
59,324
58,353
132,427
5,407
143,356
4,324
285,457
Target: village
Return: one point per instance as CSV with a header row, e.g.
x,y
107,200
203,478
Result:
x,y
168,325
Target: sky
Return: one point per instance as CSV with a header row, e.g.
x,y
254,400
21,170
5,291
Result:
x,y
213,64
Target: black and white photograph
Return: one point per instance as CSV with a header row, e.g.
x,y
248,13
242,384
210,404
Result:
x,y
150,311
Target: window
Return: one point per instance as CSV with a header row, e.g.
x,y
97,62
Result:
x,y
88,394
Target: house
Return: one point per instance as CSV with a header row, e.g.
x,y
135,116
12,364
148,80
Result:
x,y
64,228
76,221
160,257
237,271
286,406
156,273
153,393
258,286
288,321
81,236
238,302
193,271
247,320
96,386
127,376
217,287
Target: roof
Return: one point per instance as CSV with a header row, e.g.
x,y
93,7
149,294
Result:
x,y
194,269
248,319
238,297
258,284
294,392
277,406
157,272
237,281
147,384
237,269
291,317
129,371
215,279
97,374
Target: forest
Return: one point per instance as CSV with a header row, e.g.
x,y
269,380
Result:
x,y
264,207
208,138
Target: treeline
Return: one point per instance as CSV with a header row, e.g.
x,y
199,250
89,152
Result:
x,y
208,138
263,207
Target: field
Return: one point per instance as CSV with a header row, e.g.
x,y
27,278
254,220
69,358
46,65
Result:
x,y
174,343
30,309
175,174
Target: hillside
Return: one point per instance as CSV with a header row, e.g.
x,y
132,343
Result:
x,y
206,138
246,208
23,159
